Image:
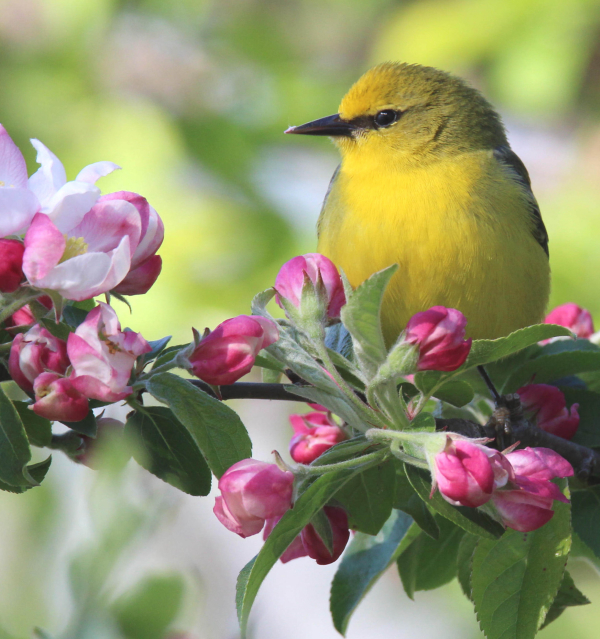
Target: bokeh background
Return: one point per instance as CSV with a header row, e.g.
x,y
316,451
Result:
x,y
191,99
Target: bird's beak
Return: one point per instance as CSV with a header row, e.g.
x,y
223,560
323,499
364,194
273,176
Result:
x,y
332,125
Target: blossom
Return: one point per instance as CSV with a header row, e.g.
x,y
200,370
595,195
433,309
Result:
x,y
46,191
11,265
525,502
467,472
252,492
102,355
35,352
314,433
294,551
547,404
290,281
577,319
439,334
314,545
229,352
57,399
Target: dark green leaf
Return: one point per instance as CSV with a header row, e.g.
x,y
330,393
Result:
x,y
346,450
562,345
38,429
430,563
74,316
470,519
216,429
320,522
168,355
14,446
407,500
86,426
515,578
368,498
149,610
548,368
588,432
338,339
164,447
464,559
455,392
568,595
366,558
62,331
308,504
158,346
37,472
360,316
586,516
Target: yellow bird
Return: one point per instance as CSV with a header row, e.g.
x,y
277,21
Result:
x,y
428,181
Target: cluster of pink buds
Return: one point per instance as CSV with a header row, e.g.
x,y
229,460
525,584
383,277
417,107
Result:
x,y
517,483
94,363
255,495
314,433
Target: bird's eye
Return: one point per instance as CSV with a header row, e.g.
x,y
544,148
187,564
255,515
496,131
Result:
x,y
385,118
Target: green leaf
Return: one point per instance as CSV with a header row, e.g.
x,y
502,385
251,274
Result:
x,y
455,392
400,361
164,447
423,422
321,491
60,330
338,339
320,522
366,558
74,316
14,445
260,301
345,450
148,611
38,429
548,368
490,350
464,560
568,595
168,355
216,429
430,563
37,472
588,432
87,426
516,578
470,519
158,346
360,316
368,498
337,404
586,516
407,500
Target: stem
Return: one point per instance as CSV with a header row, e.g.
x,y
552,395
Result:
x,y
355,462
489,384
20,299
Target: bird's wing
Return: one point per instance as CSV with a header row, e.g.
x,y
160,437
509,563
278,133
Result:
x,y
331,183
506,156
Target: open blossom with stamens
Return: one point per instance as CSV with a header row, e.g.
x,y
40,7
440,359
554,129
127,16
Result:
x,y
102,355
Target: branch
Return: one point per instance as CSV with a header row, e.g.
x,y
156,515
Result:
x,y
507,421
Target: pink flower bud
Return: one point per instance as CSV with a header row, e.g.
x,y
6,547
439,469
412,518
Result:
x,y
11,265
314,434
294,551
57,400
290,281
315,546
525,503
106,429
575,318
251,492
439,333
139,280
229,352
547,404
464,474
35,352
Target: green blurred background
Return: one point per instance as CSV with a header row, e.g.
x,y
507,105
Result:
x,y
191,99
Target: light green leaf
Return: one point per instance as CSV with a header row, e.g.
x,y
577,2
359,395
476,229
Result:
x,y
360,316
337,404
400,361
216,429
164,447
307,505
455,392
366,558
515,579
470,519
14,446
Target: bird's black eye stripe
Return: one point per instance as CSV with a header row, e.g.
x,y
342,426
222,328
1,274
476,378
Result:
x,y
385,118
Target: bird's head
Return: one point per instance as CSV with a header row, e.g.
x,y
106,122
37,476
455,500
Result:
x,y
415,113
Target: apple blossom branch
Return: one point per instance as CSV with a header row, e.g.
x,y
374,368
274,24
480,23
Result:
x,y
508,419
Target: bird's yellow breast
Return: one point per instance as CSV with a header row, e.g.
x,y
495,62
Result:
x,y
460,231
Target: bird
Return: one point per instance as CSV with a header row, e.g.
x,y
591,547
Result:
x,y
428,181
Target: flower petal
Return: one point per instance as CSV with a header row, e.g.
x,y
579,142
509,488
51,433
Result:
x,y
70,203
44,246
49,177
95,171
13,170
17,207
